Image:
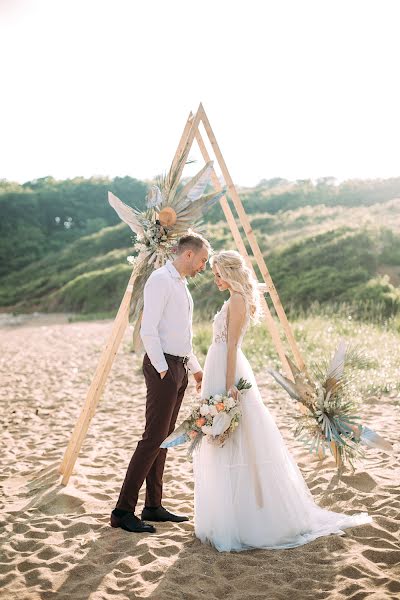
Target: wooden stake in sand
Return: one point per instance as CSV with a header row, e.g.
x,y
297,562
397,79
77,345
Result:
x,y
190,133
97,386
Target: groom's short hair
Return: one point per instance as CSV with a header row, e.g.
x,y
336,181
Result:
x,y
192,241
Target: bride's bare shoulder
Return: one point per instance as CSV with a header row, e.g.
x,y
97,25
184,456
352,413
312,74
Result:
x,y
237,303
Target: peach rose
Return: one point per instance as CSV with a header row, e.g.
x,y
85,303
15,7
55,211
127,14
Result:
x,y
220,406
193,434
200,422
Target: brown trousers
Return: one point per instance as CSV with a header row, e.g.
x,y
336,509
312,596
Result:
x,y
163,401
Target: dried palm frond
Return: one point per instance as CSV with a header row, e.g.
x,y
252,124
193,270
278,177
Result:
x,y
195,188
178,436
330,418
154,197
127,214
168,184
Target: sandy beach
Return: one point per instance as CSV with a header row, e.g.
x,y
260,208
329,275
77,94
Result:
x,y
57,542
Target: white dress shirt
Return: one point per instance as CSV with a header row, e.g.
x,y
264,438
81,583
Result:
x,y
167,318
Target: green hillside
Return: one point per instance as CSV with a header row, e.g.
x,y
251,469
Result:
x,y
46,215
63,248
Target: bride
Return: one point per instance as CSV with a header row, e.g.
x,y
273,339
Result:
x,y
250,493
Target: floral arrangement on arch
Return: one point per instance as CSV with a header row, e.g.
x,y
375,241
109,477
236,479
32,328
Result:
x,y
172,209
329,419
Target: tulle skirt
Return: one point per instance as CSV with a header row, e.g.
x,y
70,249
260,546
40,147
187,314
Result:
x,y
250,493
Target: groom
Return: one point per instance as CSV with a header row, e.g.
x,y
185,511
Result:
x,y
166,332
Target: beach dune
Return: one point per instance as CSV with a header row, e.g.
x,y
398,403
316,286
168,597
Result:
x,y
57,542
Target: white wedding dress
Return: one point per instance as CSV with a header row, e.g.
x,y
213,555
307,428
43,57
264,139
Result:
x,y
250,493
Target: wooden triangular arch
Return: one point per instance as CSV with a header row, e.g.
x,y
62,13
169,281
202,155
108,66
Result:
x,y
190,133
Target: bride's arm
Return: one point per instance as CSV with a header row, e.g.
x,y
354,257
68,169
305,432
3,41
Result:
x,y
236,320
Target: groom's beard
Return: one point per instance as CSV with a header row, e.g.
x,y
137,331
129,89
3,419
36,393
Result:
x,y
197,275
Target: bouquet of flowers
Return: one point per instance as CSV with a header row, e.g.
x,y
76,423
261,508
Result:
x,y
215,417
329,418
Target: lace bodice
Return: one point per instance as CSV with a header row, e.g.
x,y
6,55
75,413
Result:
x,y
220,325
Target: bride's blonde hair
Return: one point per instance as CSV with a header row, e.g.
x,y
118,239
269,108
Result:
x,y
240,278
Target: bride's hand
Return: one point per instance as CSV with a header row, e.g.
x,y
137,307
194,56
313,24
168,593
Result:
x,y
233,391
198,378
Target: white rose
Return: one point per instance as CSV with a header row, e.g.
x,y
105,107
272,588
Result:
x,y
206,429
229,403
220,423
217,398
213,411
204,410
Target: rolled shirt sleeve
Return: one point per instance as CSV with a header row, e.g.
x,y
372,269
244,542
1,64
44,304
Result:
x,y
156,292
193,364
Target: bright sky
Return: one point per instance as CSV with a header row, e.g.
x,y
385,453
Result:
x,y
293,88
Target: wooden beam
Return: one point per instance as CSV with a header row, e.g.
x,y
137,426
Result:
x,y
98,382
182,142
252,239
185,143
271,325
108,354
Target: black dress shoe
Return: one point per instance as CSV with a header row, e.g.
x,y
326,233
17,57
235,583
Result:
x,y
131,522
161,514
